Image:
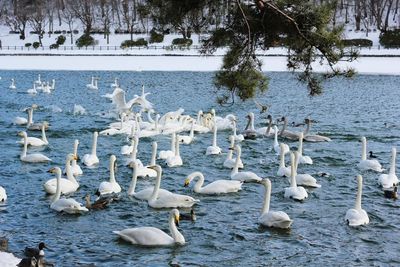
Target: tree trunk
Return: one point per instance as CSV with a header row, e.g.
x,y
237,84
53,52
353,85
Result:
x,y
358,14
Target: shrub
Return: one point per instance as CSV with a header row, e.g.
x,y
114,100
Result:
x,y
28,45
156,37
357,42
182,42
36,45
54,46
57,32
85,40
60,40
390,39
130,43
75,32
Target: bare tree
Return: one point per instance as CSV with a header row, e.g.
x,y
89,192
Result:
x,y
68,16
129,15
84,11
105,18
17,20
38,19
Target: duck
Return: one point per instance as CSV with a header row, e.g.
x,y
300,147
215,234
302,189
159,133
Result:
x,y
67,205
392,194
34,141
214,149
33,157
216,187
189,217
92,159
12,85
151,236
146,193
357,216
28,262
35,252
295,192
304,179
388,180
368,164
176,160
238,137
99,204
275,219
67,185
249,132
313,137
187,139
301,158
283,170
229,161
111,186
93,84
75,168
164,154
243,176
3,194
168,200
372,155
282,147
286,133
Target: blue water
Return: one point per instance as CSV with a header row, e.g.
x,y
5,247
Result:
x,y
226,231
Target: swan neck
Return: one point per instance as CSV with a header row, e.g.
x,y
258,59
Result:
x,y
392,170
154,195
191,134
252,123
30,116
236,167
76,149
153,154
94,145
177,147
214,143
132,186
58,186
269,127
364,149
112,174
300,149
307,129
267,197
176,235
44,138
293,172
173,140
149,118
25,149
199,183
282,159
283,127
68,170
359,194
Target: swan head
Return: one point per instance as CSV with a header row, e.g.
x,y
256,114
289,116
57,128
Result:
x,y
238,149
231,138
266,182
72,156
22,134
187,182
157,168
175,214
212,112
54,170
34,106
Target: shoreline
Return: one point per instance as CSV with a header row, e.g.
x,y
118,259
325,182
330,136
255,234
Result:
x,y
171,62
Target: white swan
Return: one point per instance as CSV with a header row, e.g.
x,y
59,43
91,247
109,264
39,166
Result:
x,y
368,164
313,137
283,170
214,149
216,187
243,176
35,126
225,123
92,159
67,185
199,125
238,137
115,83
249,132
151,236
146,193
31,158
389,180
3,194
164,154
111,186
187,139
21,120
175,160
34,141
75,168
357,216
33,90
304,179
120,102
12,85
93,84
133,158
229,161
128,149
267,131
295,192
276,219
38,81
303,159
144,171
168,200
68,205
279,147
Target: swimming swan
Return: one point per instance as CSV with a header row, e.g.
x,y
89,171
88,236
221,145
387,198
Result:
x,y
357,216
243,176
75,168
175,160
92,159
216,187
276,219
151,236
111,186
389,180
164,154
67,185
93,84
279,147
283,170
229,161
3,194
304,179
214,149
68,205
34,141
249,132
31,158
368,164
313,137
295,192
303,159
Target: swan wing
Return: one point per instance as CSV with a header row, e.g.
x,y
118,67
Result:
x,y
370,164
118,99
36,157
306,180
66,185
277,219
222,187
356,217
297,193
246,177
146,236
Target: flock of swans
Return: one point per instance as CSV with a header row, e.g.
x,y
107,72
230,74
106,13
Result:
x,y
37,86
147,124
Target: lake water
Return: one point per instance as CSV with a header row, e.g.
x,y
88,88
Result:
x,y
226,232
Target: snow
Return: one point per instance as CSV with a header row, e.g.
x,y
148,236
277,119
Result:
x,y
8,259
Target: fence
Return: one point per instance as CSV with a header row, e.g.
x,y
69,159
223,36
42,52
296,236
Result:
x,y
101,48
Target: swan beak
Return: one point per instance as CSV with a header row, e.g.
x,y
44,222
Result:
x,y
152,167
20,134
51,170
187,182
75,157
231,148
177,220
